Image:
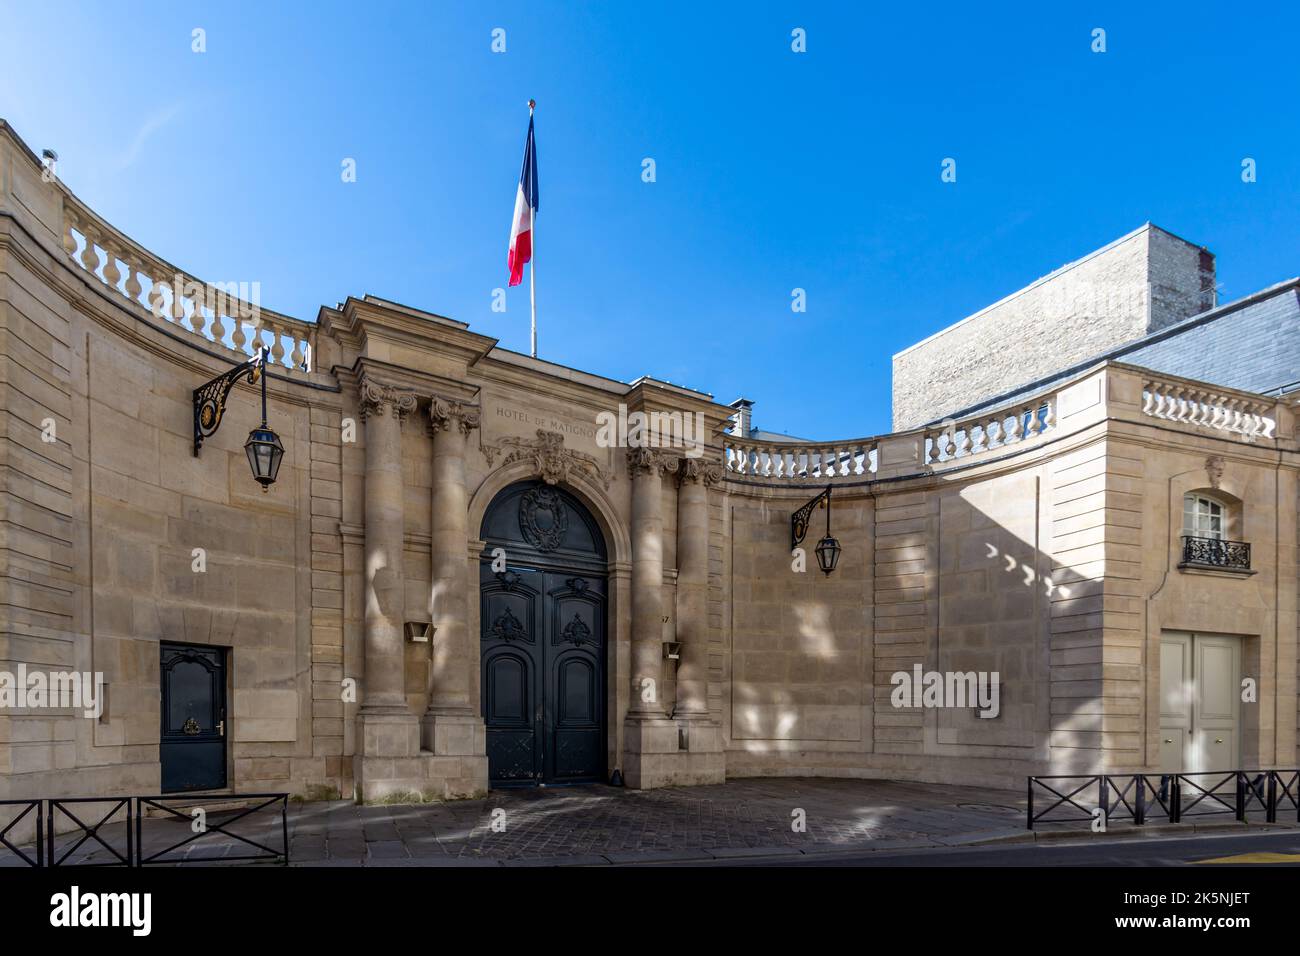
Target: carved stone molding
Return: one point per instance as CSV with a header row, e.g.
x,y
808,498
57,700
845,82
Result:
x,y
445,413
694,469
649,461
375,398
1214,466
551,461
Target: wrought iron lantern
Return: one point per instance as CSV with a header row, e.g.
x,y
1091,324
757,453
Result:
x,y
828,552
828,548
264,448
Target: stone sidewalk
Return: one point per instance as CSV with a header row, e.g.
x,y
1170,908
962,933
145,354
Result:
x,y
603,825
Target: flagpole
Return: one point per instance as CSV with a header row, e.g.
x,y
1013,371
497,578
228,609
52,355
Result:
x,y
532,263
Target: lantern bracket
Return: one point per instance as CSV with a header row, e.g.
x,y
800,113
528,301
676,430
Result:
x,y
210,398
799,520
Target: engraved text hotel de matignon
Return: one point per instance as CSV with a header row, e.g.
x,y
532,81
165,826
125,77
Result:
x,y
547,421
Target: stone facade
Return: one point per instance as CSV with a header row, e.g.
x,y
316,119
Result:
x,y
1040,541
1140,283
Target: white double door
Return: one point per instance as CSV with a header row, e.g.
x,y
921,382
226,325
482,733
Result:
x,y
1200,702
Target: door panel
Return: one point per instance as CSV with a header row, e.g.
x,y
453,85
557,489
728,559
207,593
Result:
x,y
1218,668
192,745
1175,701
1200,680
575,683
510,611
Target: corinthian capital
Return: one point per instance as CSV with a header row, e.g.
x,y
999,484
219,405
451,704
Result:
x,y
376,399
446,414
695,470
648,461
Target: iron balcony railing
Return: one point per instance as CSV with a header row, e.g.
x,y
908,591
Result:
x,y
1215,553
1141,797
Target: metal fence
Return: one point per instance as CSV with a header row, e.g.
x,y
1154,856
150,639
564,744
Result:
x,y
1140,797
142,839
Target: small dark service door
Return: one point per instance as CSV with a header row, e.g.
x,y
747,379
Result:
x,y
193,749
543,645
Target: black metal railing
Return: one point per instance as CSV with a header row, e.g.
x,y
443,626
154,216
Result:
x,y
74,808
210,826
1140,797
1215,553
38,824
89,821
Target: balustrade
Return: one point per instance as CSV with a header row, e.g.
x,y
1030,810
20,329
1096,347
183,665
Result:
x,y
1187,404
221,314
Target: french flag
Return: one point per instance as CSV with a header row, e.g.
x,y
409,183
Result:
x,y
521,228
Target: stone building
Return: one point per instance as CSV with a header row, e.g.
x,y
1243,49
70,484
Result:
x,y
459,580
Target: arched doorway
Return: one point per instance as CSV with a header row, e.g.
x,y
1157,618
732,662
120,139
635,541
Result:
x,y
543,638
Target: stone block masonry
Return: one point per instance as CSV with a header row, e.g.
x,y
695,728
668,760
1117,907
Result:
x,y
1140,283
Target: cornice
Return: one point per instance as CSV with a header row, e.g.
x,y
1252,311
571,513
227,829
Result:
x,y
425,385
361,319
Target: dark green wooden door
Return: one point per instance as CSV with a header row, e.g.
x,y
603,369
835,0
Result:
x,y
543,636
193,735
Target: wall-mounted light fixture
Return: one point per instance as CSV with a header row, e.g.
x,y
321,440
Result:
x,y
263,447
828,549
419,632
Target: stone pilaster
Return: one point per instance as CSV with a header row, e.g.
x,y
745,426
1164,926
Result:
x,y
684,749
694,478
388,731
647,467
452,726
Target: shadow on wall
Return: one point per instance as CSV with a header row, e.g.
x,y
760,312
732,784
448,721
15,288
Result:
x,y
961,583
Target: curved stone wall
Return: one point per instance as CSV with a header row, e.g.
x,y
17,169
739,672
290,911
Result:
x,y
1036,542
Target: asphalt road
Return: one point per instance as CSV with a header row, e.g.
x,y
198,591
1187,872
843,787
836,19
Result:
x,y
1264,849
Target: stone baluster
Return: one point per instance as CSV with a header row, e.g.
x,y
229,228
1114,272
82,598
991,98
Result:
x,y
1011,427
277,344
89,254
133,284
112,274
177,310
69,240
155,298
198,320
238,340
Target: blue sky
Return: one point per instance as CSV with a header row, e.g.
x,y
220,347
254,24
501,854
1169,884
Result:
x,y
775,170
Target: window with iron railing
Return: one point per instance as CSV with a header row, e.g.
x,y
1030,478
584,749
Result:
x,y
1205,539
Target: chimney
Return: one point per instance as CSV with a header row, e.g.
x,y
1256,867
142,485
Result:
x,y
741,421
1209,294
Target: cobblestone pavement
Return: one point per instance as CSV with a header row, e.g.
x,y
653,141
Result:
x,y
592,824
603,824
